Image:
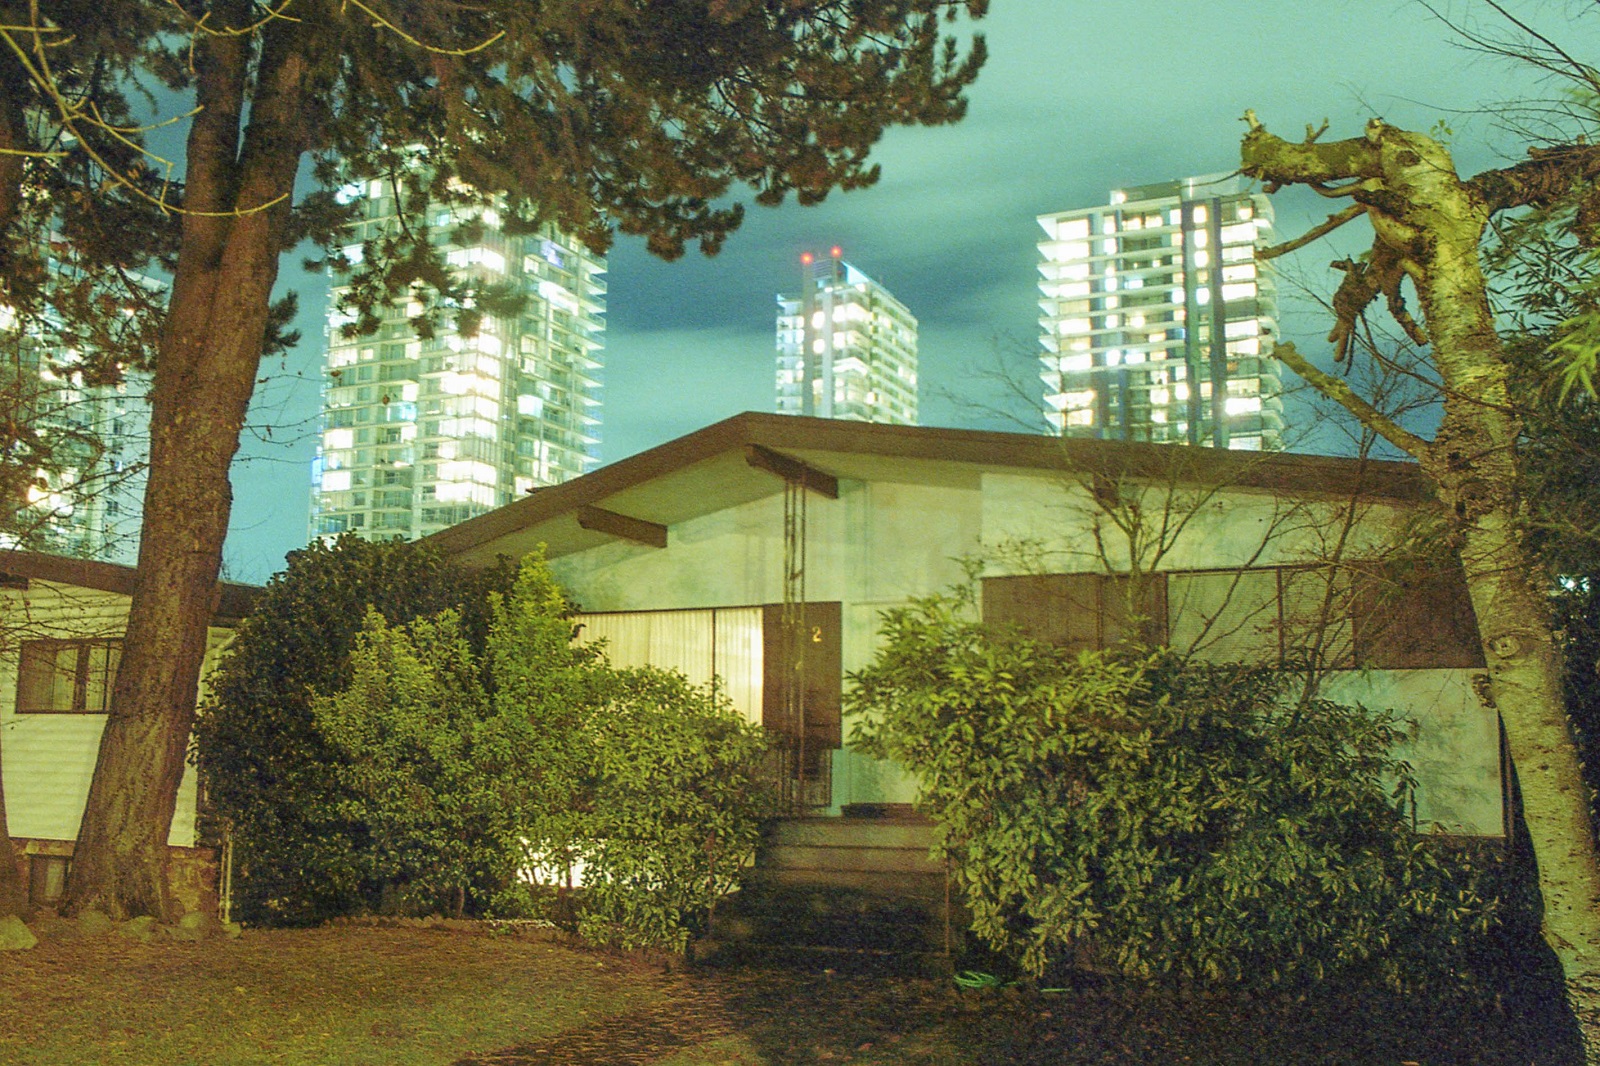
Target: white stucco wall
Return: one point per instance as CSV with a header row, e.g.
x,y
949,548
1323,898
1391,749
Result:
x,y
48,759
883,542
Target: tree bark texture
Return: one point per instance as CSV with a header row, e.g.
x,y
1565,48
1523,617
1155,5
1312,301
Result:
x,y
1430,224
205,373
13,892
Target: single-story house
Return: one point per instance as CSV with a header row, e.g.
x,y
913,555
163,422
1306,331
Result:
x,y
61,627
763,549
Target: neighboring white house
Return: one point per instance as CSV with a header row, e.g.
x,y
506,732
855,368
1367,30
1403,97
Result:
x,y
728,551
61,628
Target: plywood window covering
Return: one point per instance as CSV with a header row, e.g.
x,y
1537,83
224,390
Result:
x,y
1415,615
1379,615
1078,611
67,676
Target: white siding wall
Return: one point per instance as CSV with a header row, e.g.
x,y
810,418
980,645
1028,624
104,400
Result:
x,y
48,759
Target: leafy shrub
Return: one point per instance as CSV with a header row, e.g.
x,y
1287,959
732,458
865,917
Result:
x,y
428,769
271,778
1164,818
665,798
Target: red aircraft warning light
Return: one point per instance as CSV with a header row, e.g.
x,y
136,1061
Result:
x,y
805,258
836,252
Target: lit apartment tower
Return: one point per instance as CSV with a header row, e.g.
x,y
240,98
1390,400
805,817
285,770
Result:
x,y
846,348
86,503
1157,319
421,434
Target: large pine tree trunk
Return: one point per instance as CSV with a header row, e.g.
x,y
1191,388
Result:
x,y
1429,225
205,373
13,892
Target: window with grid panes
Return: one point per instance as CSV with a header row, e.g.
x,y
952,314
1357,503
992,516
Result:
x,y
67,676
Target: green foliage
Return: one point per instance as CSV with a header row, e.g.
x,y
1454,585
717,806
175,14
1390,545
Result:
x,y
273,779
1167,819
438,759
426,768
645,784
663,805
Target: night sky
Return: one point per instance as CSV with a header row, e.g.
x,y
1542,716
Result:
x,y
1077,98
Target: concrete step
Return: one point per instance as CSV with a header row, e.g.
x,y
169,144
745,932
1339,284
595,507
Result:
x,y
838,918
879,883
851,833
887,860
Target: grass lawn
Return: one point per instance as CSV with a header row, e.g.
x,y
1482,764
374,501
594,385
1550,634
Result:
x,y
360,995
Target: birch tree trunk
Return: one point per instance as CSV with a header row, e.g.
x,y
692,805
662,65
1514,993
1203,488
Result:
x,y
1428,226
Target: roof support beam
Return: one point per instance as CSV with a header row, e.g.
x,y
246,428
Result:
x,y
613,524
791,469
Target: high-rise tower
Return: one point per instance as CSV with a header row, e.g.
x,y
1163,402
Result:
x,y
421,434
77,412
1157,319
846,347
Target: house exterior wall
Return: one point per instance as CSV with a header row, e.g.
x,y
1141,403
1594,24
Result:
x,y
884,542
48,759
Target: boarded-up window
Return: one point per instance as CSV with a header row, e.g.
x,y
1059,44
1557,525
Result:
x,y
1415,616
1079,611
1226,616
1375,615
1055,608
67,676
822,675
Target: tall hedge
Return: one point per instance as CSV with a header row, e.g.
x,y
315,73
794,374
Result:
x,y
390,734
271,779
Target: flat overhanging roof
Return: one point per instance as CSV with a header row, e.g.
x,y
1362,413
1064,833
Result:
x,y
746,458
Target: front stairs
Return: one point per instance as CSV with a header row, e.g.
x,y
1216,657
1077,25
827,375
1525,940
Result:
x,y
855,889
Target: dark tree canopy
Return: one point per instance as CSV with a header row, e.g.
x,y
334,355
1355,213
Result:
x,y
595,115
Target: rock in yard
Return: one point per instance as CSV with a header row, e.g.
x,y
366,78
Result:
x,y
95,923
15,936
196,925
56,929
141,928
